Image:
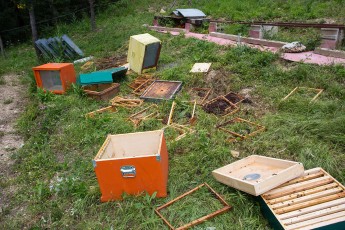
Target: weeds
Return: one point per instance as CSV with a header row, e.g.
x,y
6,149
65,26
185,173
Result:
x,y
60,142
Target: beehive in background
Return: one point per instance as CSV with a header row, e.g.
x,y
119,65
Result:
x,y
132,163
143,52
55,77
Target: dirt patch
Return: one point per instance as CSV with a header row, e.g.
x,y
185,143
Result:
x,y
12,104
233,97
217,107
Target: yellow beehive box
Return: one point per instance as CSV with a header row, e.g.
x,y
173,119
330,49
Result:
x,y
143,52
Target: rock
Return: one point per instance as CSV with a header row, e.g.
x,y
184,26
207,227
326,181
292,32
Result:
x,y
235,154
293,47
162,11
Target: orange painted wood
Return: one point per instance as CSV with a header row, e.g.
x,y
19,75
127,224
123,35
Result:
x,y
151,171
67,75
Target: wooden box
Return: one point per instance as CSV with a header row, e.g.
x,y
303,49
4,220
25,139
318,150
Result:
x,y
102,91
55,77
132,163
313,201
258,174
143,52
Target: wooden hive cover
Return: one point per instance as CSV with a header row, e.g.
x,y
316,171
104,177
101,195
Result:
x,y
161,90
258,174
313,201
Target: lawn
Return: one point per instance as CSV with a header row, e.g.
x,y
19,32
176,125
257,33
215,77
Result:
x,y
54,184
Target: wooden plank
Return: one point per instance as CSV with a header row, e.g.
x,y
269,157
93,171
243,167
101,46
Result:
x,y
311,209
303,193
307,198
298,187
303,178
309,203
310,223
315,214
324,223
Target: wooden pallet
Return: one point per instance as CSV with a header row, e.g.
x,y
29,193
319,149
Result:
x,y
313,201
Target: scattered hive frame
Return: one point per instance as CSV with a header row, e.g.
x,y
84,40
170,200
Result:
x,y
319,91
313,201
207,94
138,117
182,129
126,102
238,97
232,108
260,128
111,109
199,220
171,114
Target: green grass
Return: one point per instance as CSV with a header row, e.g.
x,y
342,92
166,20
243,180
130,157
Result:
x,y
55,186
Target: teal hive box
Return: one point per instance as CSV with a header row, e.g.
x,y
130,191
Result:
x,y
102,76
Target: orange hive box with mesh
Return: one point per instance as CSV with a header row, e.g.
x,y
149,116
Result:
x,y
55,77
132,163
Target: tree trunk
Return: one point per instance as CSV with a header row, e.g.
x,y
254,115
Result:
x,y
2,48
33,28
92,12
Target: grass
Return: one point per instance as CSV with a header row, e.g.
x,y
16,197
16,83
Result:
x,y
55,186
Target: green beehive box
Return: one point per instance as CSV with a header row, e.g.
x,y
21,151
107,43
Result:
x,y
102,76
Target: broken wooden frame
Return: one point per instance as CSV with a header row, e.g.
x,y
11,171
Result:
x,y
319,91
110,109
171,114
231,109
183,130
199,220
140,116
260,128
126,102
234,98
139,80
202,100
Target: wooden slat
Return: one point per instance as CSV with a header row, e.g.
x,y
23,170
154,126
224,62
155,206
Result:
x,y
307,198
297,187
301,179
309,223
309,203
324,223
303,193
314,215
311,209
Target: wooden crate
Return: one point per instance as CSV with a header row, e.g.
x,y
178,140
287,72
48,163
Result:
x,y
313,201
102,91
272,172
55,77
132,163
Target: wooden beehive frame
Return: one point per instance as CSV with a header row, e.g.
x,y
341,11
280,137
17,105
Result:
x,y
260,128
182,129
126,102
202,99
232,108
314,200
199,220
139,80
138,117
241,98
319,91
111,109
142,87
171,114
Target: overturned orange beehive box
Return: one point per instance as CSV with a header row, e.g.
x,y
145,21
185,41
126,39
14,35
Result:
x,y
132,163
55,77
